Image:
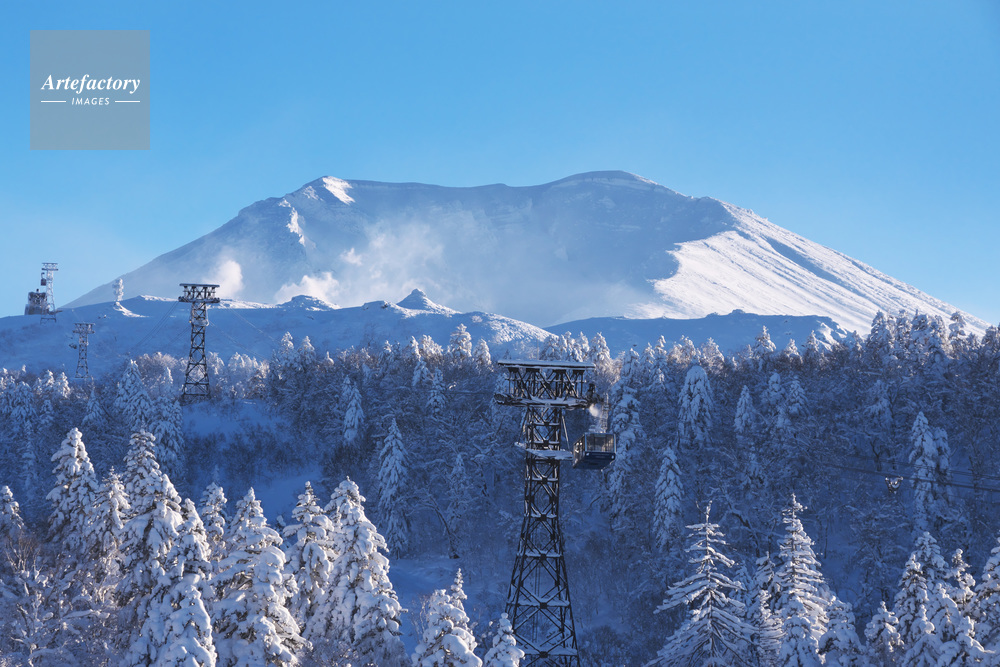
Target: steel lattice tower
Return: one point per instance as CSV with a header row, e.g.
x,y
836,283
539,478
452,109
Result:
x,y
48,277
538,602
196,376
82,329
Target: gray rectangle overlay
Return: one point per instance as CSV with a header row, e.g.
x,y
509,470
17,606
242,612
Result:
x,y
90,90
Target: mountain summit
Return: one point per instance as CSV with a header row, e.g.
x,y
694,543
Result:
x,y
594,244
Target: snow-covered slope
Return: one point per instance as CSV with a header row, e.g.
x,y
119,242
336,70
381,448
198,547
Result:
x,y
591,245
146,325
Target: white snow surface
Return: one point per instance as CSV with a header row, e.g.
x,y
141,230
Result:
x,y
146,325
592,245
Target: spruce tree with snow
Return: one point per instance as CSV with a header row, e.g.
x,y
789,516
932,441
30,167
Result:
x,y
481,355
460,345
107,534
885,646
354,416
459,504
746,415
715,631
629,441
73,498
763,348
447,641
435,399
986,601
667,500
392,487
213,513
176,625
147,541
962,585
840,645
925,647
361,607
933,565
167,427
911,598
799,646
601,356
132,403
421,379
694,418
252,623
309,557
929,457
11,522
505,652
798,575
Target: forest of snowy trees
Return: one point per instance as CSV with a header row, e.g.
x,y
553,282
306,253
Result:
x,y
770,506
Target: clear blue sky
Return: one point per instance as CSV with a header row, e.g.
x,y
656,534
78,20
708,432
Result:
x,y
869,127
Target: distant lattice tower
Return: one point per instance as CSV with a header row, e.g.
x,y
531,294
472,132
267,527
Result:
x,y
82,329
48,278
196,376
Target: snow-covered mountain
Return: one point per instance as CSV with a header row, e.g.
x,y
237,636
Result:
x,y
592,245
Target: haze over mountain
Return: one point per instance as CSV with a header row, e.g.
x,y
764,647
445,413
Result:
x,y
591,245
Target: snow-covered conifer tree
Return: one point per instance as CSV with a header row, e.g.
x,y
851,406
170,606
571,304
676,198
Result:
x,y
107,534
361,607
481,355
392,484
74,496
460,345
132,402
929,457
840,645
885,645
799,573
213,513
925,646
962,585
447,641
746,414
354,416
435,399
694,418
986,601
148,537
910,601
505,652
309,558
629,437
421,375
715,631
252,623
763,348
176,628
11,522
460,500
667,500
799,646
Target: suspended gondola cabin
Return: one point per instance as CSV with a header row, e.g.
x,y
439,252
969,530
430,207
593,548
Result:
x,y
594,451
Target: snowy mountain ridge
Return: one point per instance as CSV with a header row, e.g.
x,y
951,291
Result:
x,y
591,245
147,325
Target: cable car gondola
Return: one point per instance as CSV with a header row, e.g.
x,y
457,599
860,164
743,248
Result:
x,y
594,451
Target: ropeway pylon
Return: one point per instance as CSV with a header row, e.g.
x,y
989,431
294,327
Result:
x,y
48,278
82,329
196,385
538,602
